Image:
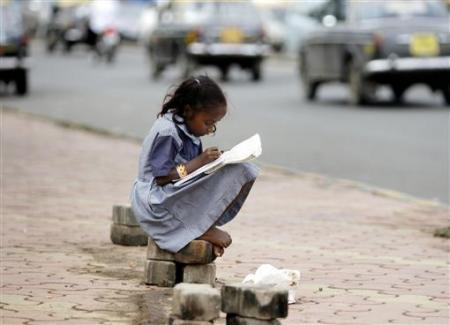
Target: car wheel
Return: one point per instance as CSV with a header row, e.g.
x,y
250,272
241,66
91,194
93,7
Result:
x,y
398,92
51,45
224,73
187,66
21,82
361,91
256,72
67,47
156,71
51,41
157,68
110,55
309,87
446,94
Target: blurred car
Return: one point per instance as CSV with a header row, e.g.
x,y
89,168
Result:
x,y
13,48
218,33
371,43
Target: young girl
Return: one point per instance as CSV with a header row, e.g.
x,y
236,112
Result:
x,y
174,216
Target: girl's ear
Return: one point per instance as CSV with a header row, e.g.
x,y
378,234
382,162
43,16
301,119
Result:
x,y
188,112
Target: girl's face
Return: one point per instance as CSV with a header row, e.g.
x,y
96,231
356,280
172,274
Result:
x,y
203,123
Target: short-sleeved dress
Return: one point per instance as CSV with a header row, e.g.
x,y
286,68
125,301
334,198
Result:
x,y
174,216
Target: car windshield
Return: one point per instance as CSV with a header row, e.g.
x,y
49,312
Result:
x,y
217,11
362,10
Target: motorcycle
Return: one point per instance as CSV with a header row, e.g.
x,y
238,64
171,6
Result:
x,y
107,44
65,28
74,34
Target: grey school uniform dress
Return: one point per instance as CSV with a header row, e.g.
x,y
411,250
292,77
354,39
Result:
x,y
174,216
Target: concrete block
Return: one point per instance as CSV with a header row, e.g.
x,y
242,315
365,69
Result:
x,y
198,302
196,252
128,235
239,320
123,215
200,273
174,320
160,273
254,301
156,253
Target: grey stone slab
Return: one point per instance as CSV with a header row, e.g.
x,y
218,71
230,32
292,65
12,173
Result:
x,y
156,253
160,273
128,235
254,301
196,252
200,273
122,214
198,302
239,320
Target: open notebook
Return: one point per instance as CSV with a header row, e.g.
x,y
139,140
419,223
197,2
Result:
x,y
246,150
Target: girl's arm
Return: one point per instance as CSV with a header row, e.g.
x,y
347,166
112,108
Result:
x,y
204,158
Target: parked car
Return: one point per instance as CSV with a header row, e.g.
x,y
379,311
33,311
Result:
x,y
217,33
13,48
371,43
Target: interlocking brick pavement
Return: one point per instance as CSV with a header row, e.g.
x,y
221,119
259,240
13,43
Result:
x,y
366,255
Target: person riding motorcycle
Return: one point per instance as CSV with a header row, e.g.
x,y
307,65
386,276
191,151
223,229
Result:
x,y
102,18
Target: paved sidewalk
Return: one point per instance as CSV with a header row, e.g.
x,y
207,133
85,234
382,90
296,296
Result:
x,y
366,256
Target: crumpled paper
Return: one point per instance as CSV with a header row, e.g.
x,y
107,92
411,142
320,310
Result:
x,y
279,278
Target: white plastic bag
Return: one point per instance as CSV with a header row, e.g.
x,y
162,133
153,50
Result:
x,y
279,278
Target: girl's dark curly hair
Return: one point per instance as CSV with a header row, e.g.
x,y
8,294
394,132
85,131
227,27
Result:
x,y
199,93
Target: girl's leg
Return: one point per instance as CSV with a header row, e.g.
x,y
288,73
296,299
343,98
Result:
x,y
235,205
219,238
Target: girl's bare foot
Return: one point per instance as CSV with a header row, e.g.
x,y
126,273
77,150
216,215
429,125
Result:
x,y
217,237
218,251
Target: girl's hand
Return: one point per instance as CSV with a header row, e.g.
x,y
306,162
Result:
x,y
210,154
204,158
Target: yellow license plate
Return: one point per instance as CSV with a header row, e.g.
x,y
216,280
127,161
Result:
x,y
424,45
232,35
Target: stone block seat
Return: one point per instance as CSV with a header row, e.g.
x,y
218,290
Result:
x,y
192,264
125,229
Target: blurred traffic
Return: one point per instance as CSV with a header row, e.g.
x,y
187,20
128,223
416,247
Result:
x,y
219,33
367,44
363,99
